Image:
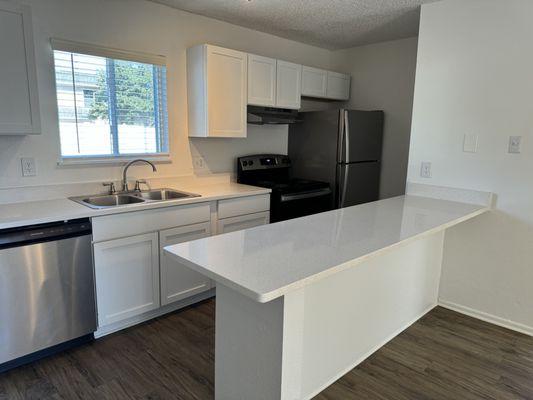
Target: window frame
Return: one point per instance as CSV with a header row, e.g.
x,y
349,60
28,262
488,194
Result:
x,y
115,54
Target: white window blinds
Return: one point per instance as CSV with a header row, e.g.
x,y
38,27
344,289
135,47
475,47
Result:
x,y
110,103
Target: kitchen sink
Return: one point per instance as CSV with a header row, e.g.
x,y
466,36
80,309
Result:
x,y
111,200
164,194
123,199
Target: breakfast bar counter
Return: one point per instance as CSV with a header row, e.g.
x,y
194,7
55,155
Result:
x,y
301,302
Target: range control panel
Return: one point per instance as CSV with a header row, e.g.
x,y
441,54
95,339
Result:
x,y
263,161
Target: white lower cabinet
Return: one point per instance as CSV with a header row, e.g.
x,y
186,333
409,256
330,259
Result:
x,y
136,280
179,281
127,277
242,222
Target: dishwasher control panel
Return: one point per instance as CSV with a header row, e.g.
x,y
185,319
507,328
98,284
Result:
x,y
44,232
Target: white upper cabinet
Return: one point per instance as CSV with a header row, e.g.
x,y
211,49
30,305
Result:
x,y
288,85
217,95
273,83
222,82
19,105
261,81
338,87
314,82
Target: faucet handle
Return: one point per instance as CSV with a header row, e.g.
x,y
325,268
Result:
x,y
138,184
111,185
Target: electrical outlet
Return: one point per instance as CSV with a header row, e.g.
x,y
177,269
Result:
x,y
198,162
470,143
514,144
425,170
28,166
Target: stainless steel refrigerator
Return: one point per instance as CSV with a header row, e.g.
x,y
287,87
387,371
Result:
x,y
342,147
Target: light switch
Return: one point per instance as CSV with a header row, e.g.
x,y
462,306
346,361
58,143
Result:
x,y
28,167
514,144
470,143
425,170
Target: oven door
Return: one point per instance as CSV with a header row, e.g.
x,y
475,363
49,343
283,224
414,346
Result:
x,y
294,205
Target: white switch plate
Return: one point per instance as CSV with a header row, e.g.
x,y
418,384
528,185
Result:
x,y
425,170
514,144
28,166
470,143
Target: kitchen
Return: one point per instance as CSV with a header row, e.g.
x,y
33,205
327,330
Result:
x,y
449,145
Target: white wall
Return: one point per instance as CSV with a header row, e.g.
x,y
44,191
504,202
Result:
x,y
475,76
383,77
139,25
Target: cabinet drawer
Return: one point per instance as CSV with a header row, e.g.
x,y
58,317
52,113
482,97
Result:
x,y
242,222
243,205
137,222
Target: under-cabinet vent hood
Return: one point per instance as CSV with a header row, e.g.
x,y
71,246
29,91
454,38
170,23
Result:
x,y
271,116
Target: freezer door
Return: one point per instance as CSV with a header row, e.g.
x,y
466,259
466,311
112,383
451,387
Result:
x,y
358,183
361,136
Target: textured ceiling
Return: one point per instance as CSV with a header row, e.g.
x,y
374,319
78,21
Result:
x,y
333,24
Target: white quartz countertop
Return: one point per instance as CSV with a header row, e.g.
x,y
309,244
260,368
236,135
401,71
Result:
x,y
37,212
269,261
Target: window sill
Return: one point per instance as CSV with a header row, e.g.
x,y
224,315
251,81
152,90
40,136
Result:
x,y
97,161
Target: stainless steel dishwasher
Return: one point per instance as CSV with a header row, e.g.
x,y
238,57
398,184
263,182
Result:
x,y
47,298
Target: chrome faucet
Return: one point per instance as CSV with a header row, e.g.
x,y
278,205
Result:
x,y
124,174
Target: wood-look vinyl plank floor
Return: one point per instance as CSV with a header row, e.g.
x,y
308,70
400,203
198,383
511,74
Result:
x,y
443,356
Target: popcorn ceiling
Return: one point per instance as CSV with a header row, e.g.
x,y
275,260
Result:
x,y
331,24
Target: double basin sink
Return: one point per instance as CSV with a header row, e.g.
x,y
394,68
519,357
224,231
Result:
x,y
122,199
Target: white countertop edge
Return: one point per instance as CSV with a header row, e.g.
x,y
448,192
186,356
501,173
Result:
x,y
77,210
467,196
267,297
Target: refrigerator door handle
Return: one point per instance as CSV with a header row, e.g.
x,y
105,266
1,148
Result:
x,y
346,137
344,185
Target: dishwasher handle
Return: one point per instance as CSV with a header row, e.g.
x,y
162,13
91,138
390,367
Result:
x,y
21,236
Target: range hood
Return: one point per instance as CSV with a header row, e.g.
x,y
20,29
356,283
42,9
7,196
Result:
x,y
271,116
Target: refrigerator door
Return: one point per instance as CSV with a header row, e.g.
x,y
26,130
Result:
x,y
358,183
361,136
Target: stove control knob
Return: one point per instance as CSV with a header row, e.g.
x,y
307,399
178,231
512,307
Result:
x,y
245,163
251,163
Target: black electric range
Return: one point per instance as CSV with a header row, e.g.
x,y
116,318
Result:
x,y
291,197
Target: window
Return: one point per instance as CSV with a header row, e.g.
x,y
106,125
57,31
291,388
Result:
x,y
88,97
110,107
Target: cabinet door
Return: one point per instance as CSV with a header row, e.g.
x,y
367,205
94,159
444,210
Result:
x,y
242,222
261,81
226,92
19,108
288,85
179,281
314,82
127,277
338,86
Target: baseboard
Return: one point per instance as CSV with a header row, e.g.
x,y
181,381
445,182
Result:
x,y
368,354
491,319
117,326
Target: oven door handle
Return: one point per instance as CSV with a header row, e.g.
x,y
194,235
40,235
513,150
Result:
x,y
307,195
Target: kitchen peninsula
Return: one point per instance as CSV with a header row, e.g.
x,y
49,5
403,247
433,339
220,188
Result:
x,y
301,302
